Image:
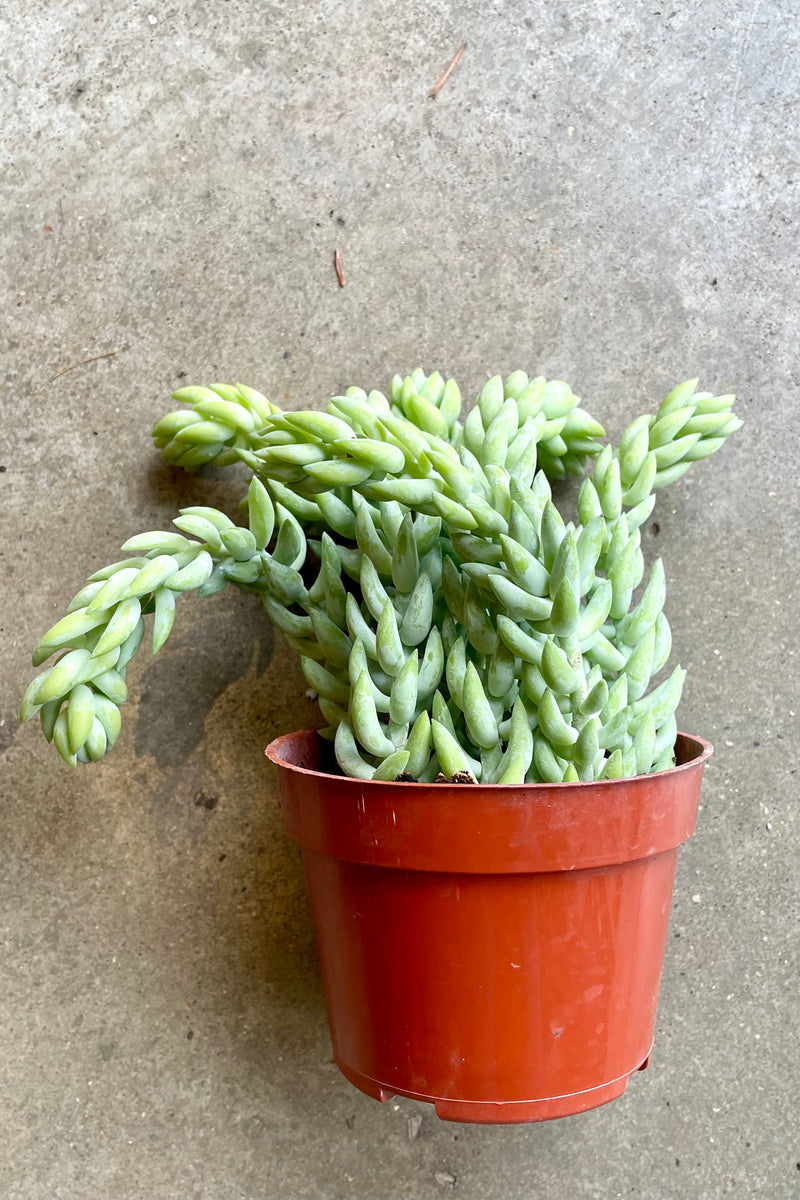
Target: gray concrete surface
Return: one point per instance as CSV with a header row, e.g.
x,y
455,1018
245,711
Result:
x,y
603,192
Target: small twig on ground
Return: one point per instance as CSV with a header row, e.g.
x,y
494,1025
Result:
x,y
59,234
83,362
437,87
337,263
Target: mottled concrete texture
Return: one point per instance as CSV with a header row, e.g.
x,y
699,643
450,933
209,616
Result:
x,y
603,192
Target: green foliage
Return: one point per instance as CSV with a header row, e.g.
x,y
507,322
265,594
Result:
x,y
446,615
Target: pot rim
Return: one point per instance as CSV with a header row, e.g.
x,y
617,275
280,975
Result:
x,y
272,751
489,828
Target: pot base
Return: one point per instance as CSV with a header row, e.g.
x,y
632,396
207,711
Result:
x,y
512,1112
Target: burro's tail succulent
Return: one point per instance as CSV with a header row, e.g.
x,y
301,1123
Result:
x,y
451,622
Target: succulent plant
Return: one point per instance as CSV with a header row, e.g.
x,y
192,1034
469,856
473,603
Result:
x,y
451,622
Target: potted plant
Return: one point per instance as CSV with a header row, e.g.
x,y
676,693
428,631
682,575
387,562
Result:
x,y
491,816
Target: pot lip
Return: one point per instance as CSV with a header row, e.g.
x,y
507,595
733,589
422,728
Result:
x,y
272,752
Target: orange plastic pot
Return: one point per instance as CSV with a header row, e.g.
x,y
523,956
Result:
x,y
494,950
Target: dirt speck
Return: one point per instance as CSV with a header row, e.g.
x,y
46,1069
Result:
x,y
414,1126
209,803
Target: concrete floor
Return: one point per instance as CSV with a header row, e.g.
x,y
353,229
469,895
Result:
x,y
602,192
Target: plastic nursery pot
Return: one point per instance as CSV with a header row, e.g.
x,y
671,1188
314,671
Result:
x,y
494,950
